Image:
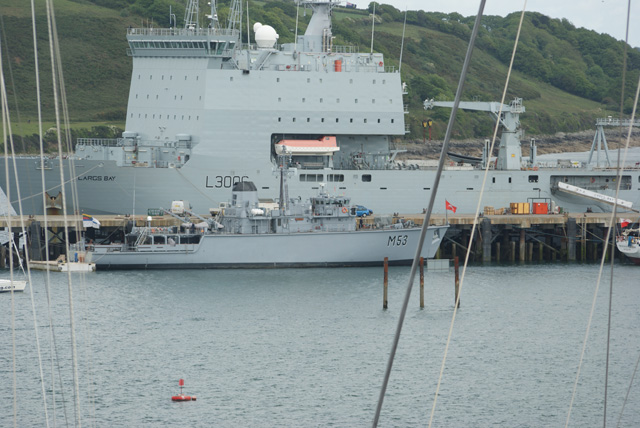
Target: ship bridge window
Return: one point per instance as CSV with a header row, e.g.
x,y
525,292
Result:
x,y
533,179
392,120
366,178
509,179
159,240
335,178
320,99
351,120
312,177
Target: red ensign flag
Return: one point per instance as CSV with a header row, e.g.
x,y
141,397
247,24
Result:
x,y
450,207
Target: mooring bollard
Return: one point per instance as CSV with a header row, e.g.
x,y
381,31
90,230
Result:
x,y
457,293
386,282
421,282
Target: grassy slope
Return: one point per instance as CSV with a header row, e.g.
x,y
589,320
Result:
x,y
93,51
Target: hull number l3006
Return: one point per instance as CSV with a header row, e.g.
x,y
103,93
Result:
x,y
220,181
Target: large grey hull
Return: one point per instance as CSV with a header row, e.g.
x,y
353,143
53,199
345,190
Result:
x,y
105,188
360,248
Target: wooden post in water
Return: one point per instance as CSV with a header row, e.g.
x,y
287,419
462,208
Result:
x,y
513,251
498,252
421,282
453,250
530,251
457,292
522,252
3,256
386,282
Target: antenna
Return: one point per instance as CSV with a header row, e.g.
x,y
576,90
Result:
x,y
172,16
191,15
235,16
295,40
373,24
404,26
213,17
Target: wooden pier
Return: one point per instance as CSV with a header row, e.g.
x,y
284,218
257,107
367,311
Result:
x,y
498,238
522,237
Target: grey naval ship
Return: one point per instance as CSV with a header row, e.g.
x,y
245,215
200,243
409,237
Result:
x,y
206,111
321,231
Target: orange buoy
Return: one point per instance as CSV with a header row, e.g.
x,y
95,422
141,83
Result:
x,y
181,396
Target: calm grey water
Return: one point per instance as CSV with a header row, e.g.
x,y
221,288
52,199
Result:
x,y
308,347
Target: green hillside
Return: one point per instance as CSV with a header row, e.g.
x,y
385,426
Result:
x,y
567,76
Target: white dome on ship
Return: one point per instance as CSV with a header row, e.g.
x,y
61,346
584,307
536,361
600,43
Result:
x,y
265,35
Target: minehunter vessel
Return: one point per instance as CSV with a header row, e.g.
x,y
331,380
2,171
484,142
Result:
x,y
321,231
207,111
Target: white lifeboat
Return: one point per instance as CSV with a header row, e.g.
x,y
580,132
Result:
x,y
324,146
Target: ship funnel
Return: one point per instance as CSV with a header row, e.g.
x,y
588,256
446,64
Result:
x,y
244,195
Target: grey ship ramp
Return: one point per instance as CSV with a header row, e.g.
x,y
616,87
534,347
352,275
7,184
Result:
x,y
599,197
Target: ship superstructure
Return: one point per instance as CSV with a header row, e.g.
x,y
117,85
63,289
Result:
x,y
206,111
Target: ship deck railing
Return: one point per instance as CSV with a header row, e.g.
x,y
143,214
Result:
x,y
105,142
181,32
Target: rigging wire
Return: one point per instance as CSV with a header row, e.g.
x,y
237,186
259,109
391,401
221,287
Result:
x,y
7,130
626,397
612,223
47,280
56,68
476,215
427,215
8,214
624,77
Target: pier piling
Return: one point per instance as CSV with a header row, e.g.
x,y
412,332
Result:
x,y
421,282
571,236
386,282
486,239
456,300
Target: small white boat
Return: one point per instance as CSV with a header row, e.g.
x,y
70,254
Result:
x,y
7,285
61,265
629,244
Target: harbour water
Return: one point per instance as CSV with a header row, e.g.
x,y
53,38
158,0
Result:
x,y
308,347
